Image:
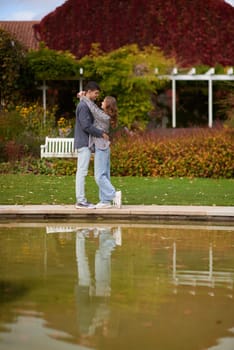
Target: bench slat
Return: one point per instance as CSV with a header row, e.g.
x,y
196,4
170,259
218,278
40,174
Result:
x,y
55,147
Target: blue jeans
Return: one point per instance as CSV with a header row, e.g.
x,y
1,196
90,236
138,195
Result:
x,y
102,175
83,160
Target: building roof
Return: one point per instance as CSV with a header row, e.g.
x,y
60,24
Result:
x,y
23,32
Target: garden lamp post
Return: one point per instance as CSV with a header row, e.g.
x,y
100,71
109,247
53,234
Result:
x,y
81,79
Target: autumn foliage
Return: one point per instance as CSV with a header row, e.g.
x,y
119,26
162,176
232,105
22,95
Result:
x,y
194,152
194,32
177,153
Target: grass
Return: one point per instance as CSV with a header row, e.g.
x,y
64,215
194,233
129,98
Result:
x,y
42,189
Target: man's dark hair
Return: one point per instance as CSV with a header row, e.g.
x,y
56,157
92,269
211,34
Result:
x,y
92,85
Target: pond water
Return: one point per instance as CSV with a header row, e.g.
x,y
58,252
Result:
x,y
116,286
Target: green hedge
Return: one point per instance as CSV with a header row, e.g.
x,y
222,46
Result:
x,y
206,153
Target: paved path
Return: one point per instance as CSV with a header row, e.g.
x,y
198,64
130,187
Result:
x,y
127,212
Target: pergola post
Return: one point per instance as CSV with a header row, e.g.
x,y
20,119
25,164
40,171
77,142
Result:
x,y
210,97
210,104
174,72
209,76
173,103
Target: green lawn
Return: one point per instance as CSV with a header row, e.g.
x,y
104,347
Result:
x,y
42,189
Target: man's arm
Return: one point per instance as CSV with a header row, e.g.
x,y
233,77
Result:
x,y
86,122
97,112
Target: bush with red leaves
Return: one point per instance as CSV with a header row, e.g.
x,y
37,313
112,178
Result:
x,y
193,32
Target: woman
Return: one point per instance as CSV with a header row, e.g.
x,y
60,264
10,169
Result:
x,y
102,119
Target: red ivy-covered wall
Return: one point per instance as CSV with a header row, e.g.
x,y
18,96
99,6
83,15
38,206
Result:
x,y
192,31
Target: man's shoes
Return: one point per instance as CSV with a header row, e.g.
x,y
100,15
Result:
x,y
84,205
117,201
103,205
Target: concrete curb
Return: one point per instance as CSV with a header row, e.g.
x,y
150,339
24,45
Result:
x,y
127,212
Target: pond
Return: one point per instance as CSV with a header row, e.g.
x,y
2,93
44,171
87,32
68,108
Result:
x,y
116,286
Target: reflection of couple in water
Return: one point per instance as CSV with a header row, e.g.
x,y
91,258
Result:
x,y
94,278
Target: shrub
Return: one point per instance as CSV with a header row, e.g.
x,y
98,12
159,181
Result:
x,y
206,153
35,121
23,129
227,106
192,31
12,63
129,74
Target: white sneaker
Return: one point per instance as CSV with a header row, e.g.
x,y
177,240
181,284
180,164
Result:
x,y
103,205
117,201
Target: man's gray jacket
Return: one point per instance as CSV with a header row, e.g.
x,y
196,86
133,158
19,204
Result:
x,y
84,126
101,121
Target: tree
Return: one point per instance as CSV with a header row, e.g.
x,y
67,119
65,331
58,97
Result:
x,y
193,32
12,63
47,64
128,73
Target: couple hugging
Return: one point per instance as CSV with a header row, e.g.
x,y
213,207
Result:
x,y
92,132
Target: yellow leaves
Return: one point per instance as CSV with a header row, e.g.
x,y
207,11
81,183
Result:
x,y
64,126
33,118
201,156
64,123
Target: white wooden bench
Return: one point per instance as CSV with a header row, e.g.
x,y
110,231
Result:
x,y
58,147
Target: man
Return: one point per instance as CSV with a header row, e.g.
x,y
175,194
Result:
x,y
83,128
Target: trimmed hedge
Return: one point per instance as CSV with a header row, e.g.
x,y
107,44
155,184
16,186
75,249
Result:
x,y
206,153
195,153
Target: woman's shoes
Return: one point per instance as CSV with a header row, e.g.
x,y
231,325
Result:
x,y
103,205
117,201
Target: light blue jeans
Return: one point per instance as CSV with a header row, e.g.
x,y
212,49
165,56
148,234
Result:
x,y
83,160
102,175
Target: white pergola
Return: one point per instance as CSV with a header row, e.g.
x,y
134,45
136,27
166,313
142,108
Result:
x,y
44,88
209,76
